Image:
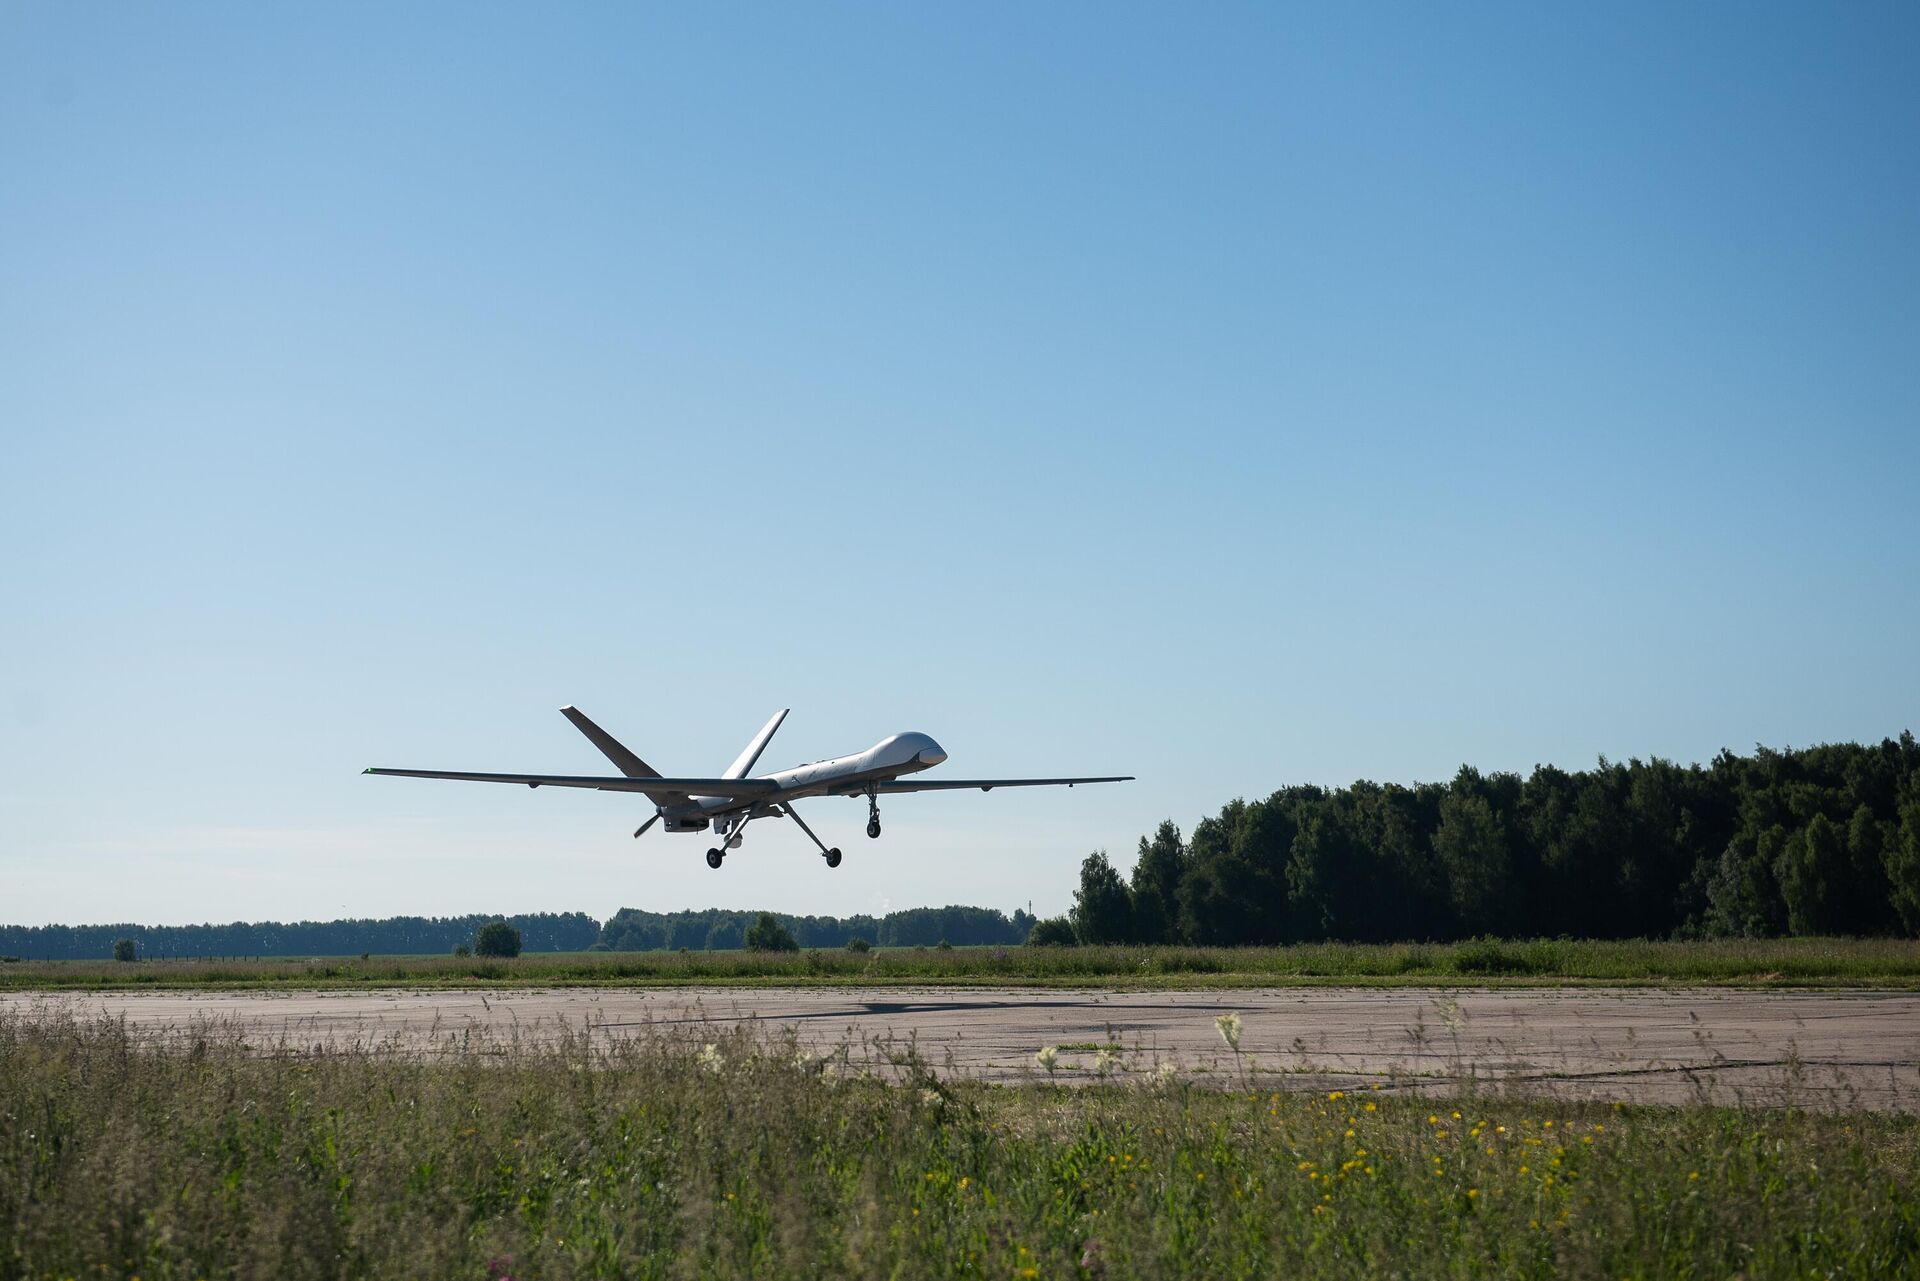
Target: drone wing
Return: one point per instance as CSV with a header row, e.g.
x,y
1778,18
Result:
x,y
738,789
988,784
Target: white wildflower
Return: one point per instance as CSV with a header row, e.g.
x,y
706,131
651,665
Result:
x,y
1229,1025
711,1059
1047,1057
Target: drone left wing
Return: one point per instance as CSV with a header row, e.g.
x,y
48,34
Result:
x,y
984,784
738,789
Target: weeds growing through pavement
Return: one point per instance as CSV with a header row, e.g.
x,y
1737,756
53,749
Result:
x,y
703,1151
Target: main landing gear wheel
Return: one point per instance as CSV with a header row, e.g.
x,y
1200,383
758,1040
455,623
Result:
x,y
873,828
832,857
714,857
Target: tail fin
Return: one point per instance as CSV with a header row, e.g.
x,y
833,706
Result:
x,y
610,747
751,752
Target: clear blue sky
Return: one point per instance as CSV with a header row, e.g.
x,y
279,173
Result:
x,y
1231,396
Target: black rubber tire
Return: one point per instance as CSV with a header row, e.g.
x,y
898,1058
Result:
x,y
873,828
833,858
714,858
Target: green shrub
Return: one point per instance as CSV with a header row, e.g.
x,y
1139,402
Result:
x,y
124,950
766,934
858,944
496,938
1055,931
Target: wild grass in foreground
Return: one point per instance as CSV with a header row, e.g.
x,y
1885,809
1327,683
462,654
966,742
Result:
x,y
1798,962
697,1154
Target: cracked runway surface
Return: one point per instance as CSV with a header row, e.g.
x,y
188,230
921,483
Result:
x,y
1820,1049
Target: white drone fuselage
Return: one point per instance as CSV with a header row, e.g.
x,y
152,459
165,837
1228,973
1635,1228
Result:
x,y
842,776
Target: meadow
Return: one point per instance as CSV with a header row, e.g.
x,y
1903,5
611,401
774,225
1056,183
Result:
x,y
1784,963
699,1153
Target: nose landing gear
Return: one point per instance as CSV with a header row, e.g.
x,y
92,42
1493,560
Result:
x,y
873,816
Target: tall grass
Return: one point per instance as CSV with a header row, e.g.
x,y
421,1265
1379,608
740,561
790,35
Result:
x,y
704,1154
1743,962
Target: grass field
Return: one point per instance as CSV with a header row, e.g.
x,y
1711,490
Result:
x,y
1800,962
722,1155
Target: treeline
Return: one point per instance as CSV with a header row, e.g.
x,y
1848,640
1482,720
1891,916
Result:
x,y
395,935
633,930
1824,840
630,930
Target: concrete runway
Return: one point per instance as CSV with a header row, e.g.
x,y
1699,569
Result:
x,y
1821,1049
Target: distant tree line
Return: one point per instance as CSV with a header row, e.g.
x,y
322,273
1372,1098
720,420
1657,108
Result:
x,y
1822,840
630,930
397,935
633,930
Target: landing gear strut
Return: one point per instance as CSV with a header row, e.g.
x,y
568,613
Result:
x,y
873,815
832,856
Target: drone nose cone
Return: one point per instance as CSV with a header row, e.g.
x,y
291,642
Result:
x,y
932,755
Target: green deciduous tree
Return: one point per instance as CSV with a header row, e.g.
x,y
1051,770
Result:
x,y
1156,885
1902,860
1744,894
1326,877
1867,902
767,934
1471,845
496,938
724,935
123,950
1235,889
1812,869
1054,931
1102,906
